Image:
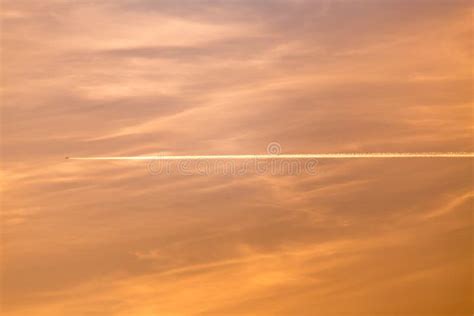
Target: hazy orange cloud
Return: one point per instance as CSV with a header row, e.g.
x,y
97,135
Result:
x,y
142,77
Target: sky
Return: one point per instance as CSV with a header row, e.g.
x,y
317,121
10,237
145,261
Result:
x,y
143,77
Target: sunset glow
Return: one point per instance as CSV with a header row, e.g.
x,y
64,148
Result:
x,y
345,130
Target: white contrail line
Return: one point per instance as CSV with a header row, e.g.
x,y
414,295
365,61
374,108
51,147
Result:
x,y
289,156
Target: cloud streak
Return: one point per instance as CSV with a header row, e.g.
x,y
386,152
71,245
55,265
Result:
x,y
166,79
290,156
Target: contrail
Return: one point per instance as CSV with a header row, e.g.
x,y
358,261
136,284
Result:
x,y
289,156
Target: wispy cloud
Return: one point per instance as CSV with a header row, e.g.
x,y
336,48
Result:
x,y
137,77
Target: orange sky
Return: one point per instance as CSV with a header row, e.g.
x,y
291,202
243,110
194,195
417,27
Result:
x,y
141,77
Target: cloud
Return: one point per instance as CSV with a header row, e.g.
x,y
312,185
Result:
x,y
146,77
